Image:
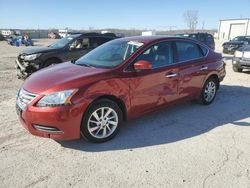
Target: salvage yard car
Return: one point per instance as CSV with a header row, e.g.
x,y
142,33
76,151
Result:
x,y
237,42
118,81
241,59
69,48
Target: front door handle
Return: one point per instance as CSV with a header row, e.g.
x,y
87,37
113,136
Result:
x,y
171,75
203,68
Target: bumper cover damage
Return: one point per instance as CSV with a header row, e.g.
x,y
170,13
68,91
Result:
x,y
25,68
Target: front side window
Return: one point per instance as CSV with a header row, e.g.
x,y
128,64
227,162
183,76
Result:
x,y
80,43
159,55
187,51
62,42
110,54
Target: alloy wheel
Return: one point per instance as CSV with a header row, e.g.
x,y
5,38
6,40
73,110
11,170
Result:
x,y
102,122
210,91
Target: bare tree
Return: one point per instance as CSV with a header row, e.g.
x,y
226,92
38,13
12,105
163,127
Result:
x,y
191,19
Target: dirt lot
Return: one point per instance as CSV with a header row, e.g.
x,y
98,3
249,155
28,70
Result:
x,y
188,145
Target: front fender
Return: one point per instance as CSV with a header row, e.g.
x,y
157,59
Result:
x,y
118,88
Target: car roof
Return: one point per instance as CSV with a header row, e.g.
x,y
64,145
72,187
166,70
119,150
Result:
x,y
108,35
154,38
243,36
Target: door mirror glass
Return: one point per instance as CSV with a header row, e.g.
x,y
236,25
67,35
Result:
x,y
142,65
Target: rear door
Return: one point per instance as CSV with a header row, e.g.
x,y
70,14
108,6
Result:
x,y
151,88
193,67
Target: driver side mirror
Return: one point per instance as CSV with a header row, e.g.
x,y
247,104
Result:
x,y
142,65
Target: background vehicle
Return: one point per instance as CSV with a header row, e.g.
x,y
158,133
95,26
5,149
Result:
x,y
118,81
53,35
69,48
237,42
1,37
205,38
241,59
18,40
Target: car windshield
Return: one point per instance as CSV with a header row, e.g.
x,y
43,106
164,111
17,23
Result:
x,y
238,39
62,42
110,54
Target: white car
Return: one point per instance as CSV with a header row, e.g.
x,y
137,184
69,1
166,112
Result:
x,y
241,59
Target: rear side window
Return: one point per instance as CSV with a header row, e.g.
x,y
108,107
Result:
x,y
202,38
97,41
187,51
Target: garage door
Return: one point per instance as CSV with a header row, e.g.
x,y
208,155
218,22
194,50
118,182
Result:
x,y
236,30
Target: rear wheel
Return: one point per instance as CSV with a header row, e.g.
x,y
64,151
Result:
x,y
102,121
236,69
209,91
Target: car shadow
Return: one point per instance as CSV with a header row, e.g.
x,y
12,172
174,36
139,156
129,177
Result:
x,y
177,123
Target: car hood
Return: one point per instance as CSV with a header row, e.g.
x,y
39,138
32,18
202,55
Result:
x,y
34,50
61,77
245,48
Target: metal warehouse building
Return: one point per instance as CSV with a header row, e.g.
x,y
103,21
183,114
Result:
x,y
231,28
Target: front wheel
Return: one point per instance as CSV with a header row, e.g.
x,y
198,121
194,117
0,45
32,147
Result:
x,y
102,121
209,91
236,69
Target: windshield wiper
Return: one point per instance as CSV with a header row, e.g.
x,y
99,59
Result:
x,y
86,65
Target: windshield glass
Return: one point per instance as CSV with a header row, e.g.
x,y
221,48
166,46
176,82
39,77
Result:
x,y
62,42
238,39
109,54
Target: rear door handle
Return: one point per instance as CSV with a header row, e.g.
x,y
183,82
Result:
x,y
203,68
171,75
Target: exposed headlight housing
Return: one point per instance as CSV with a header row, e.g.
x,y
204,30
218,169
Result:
x,y
238,54
31,57
60,98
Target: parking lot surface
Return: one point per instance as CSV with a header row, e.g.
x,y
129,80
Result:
x,y
188,145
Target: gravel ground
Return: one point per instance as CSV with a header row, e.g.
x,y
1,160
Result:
x,y
188,145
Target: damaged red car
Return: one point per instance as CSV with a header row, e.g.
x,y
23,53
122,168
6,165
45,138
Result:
x,y
118,81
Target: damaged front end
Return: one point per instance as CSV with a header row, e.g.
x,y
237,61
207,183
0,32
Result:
x,y
25,66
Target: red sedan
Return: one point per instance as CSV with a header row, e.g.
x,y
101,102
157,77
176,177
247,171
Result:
x,y
118,81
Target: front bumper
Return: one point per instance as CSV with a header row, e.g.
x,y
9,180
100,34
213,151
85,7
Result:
x,y
58,123
242,63
24,69
229,50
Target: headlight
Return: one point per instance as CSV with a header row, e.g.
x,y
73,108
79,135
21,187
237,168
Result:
x,y
246,54
31,57
238,54
57,99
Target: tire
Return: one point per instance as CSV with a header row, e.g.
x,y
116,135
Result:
x,y
236,69
209,91
96,127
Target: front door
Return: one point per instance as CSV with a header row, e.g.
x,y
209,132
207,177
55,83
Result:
x,y
150,89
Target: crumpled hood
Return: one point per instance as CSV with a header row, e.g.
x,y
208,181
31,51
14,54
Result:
x,y
34,50
60,77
